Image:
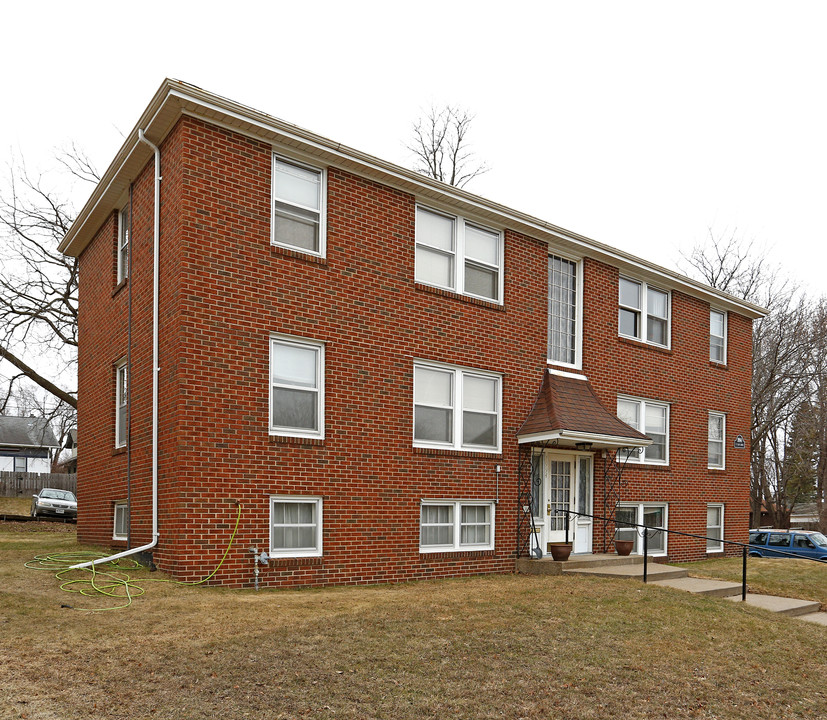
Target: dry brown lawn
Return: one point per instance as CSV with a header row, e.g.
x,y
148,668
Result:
x,y
16,505
491,647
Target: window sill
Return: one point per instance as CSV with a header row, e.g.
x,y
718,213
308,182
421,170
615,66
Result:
x,y
276,439
459,296
644,345
719,470
120,286
452,554
298,254
454,451
119,450
651,466
290,562
718,365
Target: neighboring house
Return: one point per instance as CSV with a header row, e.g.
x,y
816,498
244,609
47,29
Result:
x,y
804,516
395,378
69,463
27,445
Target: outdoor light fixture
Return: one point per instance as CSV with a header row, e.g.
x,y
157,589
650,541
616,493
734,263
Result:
x,y
583,446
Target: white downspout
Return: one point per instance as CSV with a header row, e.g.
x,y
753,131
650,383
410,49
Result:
x,y
156,274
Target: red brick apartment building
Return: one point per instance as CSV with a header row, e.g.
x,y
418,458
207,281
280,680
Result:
x,y
380,377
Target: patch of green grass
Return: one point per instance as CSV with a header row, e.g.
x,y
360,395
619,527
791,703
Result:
x,y
15,505
786,577
488,647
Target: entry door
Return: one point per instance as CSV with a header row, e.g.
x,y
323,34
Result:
x,y
559,477
568,486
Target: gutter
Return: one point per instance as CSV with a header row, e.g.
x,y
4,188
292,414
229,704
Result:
x,y
156,274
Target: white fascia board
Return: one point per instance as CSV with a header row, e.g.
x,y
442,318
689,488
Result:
x,y
240,118
597,441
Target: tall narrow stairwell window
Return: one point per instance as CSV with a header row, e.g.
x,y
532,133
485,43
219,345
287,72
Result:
x,y
562,311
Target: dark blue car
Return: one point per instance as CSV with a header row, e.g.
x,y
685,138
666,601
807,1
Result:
x,y
787,543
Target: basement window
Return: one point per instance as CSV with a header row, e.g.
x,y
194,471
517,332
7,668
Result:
x,y
449,525
295,526
120,529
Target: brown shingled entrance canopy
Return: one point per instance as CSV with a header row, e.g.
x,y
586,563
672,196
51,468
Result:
x,y
568,411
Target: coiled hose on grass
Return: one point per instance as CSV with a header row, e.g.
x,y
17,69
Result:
x,y
114,582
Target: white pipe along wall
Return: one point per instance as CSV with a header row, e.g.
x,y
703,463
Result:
x,y
156,273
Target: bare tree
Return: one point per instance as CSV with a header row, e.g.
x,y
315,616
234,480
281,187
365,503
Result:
x,y
38,284
440,146
731,264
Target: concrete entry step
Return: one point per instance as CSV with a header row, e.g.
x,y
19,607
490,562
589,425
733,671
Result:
x,y
782,605
547,566
656,571
820,618
701,586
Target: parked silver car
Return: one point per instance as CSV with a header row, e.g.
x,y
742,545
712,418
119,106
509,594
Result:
x,y
58,503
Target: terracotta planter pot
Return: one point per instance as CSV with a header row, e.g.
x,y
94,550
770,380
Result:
x,y
560,551
624,547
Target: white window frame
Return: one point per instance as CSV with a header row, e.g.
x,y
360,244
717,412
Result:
x,y
322,210
640,457
121,401
643,313
123,244
316,551
121,508
457,407
626,533
722,441
724,315
459,256
457,545
578,339
720,546
16,459
304,343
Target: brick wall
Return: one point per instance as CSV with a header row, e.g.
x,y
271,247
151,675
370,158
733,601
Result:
x,y
225,289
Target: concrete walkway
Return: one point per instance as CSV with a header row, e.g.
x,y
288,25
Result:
x,y
610,565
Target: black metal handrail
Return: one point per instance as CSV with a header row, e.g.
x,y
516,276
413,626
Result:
x,y
645,535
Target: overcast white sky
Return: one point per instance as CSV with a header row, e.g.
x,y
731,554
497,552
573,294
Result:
x,y
639,124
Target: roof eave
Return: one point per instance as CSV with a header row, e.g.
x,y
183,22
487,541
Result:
x,y
175,98
597,441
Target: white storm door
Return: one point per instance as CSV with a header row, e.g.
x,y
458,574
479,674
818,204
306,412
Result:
x,y
583,504
559,479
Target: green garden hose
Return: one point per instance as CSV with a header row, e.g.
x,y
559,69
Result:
x,y
113,582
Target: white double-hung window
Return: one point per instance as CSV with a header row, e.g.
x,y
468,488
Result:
x,y
717,336
652,419
455,254
446,525
714,527
643,312
121,403
296,387
298,220
715,440
456,408
120,524
123,244
295,526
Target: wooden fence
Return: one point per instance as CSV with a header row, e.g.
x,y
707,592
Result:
x,y
20,484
